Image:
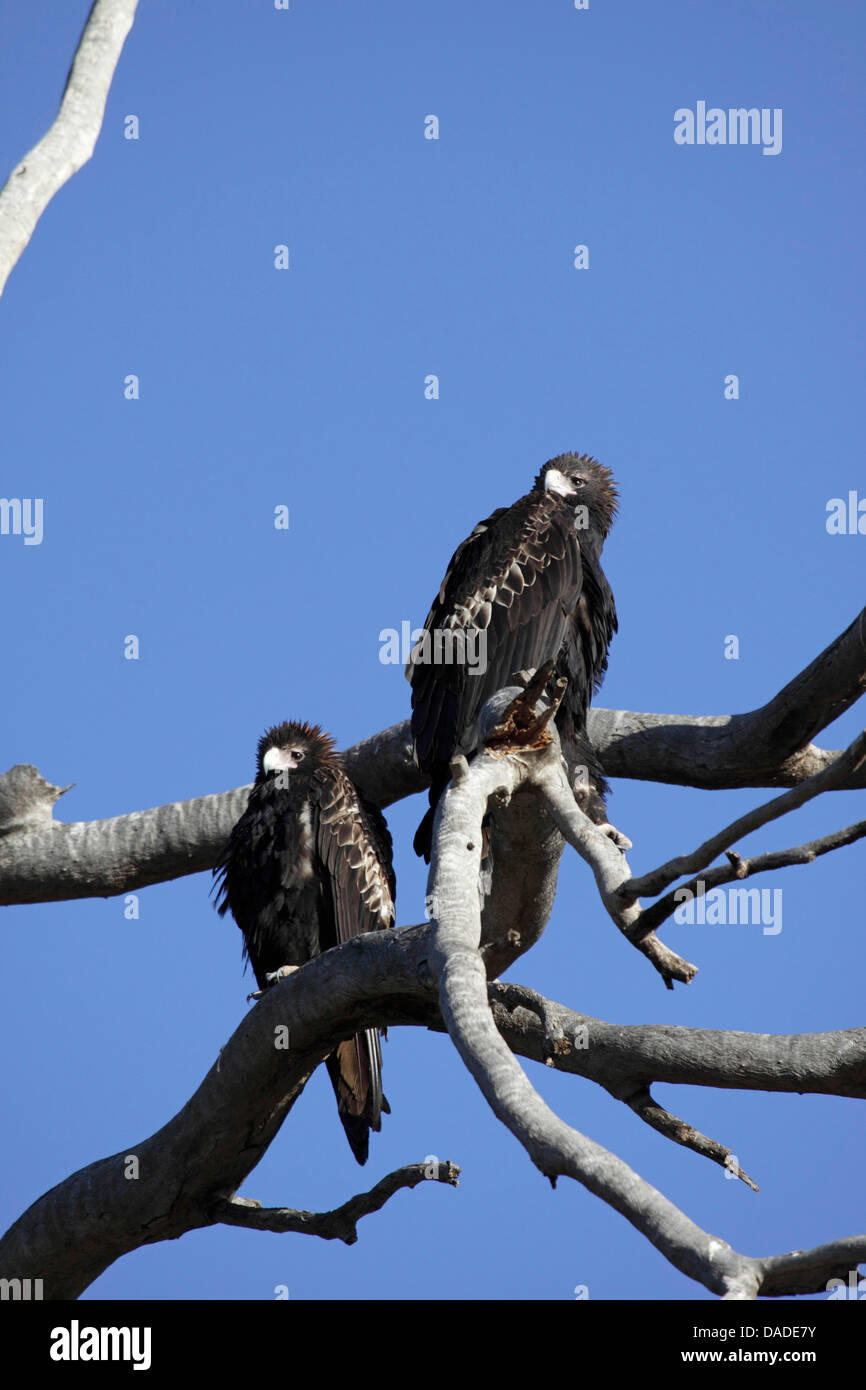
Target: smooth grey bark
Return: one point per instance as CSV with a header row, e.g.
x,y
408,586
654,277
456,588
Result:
x,y
190,1169
71,139
342,1222
182,1180
43,860
768,747
738,869
185,1175
554,1147
829,779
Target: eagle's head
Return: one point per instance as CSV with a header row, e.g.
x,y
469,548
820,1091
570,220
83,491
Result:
x,y
582,481
291,748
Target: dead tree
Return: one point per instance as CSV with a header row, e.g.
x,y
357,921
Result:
x,y
442,974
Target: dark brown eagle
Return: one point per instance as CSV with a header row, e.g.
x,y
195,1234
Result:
x,y
308,866
525,588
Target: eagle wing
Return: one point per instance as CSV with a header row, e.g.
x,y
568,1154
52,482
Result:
x,y
265,877
583,658
354,847
517,578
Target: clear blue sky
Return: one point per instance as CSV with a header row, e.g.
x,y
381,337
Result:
x,y
306,388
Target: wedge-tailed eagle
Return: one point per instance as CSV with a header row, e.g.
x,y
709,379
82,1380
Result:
x,y
524,588
308,866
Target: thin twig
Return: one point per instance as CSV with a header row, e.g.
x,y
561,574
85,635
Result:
x,y
658,879
737,869
342,1222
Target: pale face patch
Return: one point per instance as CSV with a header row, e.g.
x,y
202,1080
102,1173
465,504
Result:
x,y
554,481
282,759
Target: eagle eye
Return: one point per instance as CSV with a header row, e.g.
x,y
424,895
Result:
x,y
578,480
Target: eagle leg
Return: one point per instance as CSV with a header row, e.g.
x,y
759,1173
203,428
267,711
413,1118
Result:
x,y
589,789
273,978
621,841
591,801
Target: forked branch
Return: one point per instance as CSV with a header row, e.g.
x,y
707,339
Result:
x,y
44,860
342,1223
554,1147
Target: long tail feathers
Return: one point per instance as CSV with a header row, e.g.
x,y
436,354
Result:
x,y
355,1070
423,841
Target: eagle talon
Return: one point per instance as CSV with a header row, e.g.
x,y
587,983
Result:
x,y
621,841
272,978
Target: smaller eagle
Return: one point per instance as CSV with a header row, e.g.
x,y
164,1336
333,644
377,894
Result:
x,y
308,866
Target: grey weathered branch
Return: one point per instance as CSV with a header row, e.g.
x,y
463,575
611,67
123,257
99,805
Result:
x,y
680,1131
632,1089
49,861
71,139
178,1179
174,1181
81,1226
809,1271
827,780
183,1174
626,1058
608,863
45,860
342,1222
768,747
554,1147
738,868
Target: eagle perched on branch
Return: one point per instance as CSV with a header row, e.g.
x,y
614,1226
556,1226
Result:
x,y
308,866
526,587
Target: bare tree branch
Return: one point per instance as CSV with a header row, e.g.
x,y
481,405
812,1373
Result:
x,y
342,1223
195,1163
831,777
809,1271
627,1058
175,1180
681,1132
554,1147
42,860
635,1092
71,139
89,859
180,1183
768,747
738,868
608,864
